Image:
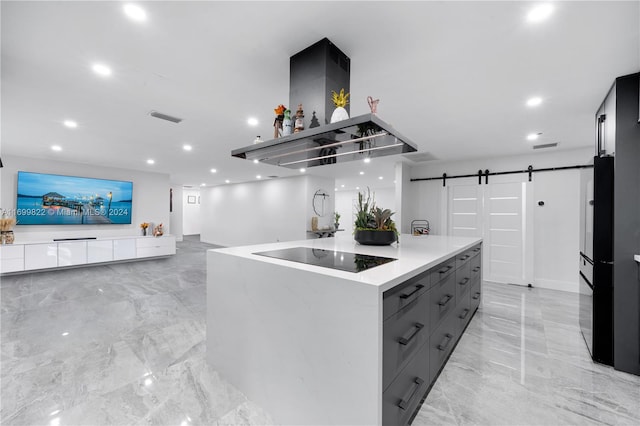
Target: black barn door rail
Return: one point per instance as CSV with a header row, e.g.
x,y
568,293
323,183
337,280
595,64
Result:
x,y
530,170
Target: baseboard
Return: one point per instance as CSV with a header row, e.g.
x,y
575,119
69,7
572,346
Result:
x,y
568,286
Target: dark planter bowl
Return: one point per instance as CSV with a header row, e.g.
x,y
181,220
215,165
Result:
x,y
375,238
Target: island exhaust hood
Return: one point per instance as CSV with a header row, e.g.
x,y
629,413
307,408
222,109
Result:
x,y
314,73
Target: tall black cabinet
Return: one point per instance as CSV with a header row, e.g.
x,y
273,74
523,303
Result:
x,y
618,135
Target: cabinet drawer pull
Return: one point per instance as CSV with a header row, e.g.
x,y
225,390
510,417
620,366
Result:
x,y
476,269
464,281
408,295
445,270
412,333
476,296
443,346
465,257
464,314
477,249
445,299
404,402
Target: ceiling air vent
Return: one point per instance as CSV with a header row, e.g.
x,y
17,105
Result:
x,y
420,157
162,116
546,145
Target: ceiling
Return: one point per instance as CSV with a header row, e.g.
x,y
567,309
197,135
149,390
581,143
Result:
x,y
453,77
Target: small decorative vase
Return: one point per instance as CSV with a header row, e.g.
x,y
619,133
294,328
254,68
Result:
x,y
299,125
374,237
339,114
7,237
337,225
144,232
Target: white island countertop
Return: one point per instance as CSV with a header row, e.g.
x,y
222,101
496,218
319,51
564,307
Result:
x,y
414,254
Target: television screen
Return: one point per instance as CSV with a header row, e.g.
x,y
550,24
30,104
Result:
x,y
45,199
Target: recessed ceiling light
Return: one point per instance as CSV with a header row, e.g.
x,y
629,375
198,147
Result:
x,y
203,184
342,186
56,148
258,177
380,177
70,123
335,189
533,136
303,170
361,173
135,12
213,170
150,161
540,12
227,181
66,333
357,187
534,102
367,160
187,147
256,161
101,69
251,121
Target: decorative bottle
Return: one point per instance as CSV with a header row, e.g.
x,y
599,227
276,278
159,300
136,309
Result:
x,y
287,125
299,126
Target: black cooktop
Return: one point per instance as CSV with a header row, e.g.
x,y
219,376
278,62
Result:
x,y
350,262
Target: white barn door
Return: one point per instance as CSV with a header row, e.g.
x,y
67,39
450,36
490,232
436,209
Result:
x,y
501,213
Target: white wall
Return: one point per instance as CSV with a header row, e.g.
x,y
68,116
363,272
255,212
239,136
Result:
x,y
191,212
315,183
260,212
346,200
555,226
150,198
176,215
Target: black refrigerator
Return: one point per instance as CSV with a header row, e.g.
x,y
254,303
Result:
x,y
596,260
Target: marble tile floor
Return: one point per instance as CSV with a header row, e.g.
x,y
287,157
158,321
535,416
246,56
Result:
x,y
522,361
124,344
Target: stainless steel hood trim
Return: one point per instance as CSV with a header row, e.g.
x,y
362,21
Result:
x,y
359,151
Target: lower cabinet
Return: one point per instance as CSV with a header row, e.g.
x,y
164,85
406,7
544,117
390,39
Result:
x,y
124,248
40,256
99,251
402,397
11,258
423,321
72,253
152,246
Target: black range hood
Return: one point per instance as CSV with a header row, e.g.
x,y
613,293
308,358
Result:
x,y
314,73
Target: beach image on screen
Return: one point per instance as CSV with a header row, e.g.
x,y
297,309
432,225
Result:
x,y
45,199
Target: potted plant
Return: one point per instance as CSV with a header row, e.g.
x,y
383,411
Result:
x,y
336,217
373,225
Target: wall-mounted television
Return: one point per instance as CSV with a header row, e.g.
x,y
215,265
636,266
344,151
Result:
x,y
45,199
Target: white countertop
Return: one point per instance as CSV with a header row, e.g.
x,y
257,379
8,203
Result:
x,y
415,254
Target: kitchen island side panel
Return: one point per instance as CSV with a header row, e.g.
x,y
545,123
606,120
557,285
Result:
x,y
304,346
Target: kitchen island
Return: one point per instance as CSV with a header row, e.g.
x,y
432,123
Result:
x,y
317,345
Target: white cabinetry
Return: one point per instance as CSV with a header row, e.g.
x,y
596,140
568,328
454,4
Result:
x,y
72,253
11,258
124,248
156,246
99,251
40,256
48,255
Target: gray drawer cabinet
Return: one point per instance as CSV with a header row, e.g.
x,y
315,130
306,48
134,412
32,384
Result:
x,y
424,318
